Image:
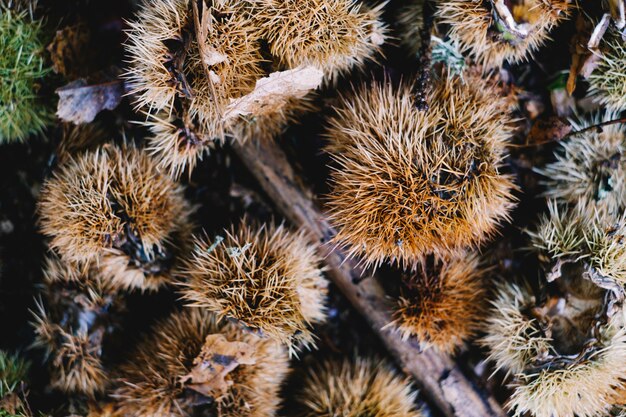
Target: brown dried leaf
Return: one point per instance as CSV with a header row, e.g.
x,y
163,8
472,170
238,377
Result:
x,y
585,49
548,130
68,53
218,358
594,46
272,92
80,102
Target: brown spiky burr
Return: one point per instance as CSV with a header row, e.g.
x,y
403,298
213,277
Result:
x,y
442,302
565,344
495,31
607,83
268,278
162,376
590,168
561,362
406,183
78,312
115,207
584,237
334,35
199,87
363,387
166,64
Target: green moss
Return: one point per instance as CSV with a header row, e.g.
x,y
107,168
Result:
x,y
21,69
13,370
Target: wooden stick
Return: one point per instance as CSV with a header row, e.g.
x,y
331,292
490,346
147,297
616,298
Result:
x,y
440,379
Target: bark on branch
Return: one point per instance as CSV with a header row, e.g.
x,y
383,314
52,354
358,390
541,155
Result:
x,y
440,379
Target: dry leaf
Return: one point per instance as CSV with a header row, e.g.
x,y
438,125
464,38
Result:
x,y
548,130
594,46
68,53
271,93
586,52
80,102
209,375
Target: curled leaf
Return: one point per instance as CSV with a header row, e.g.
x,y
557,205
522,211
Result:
x,y
80,102
219,357
586,53
272,92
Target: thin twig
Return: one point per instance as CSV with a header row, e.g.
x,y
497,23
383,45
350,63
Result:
x,y
598,127
423,77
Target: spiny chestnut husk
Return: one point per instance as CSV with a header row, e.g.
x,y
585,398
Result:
x,y
363,387
169,373
177,143
590,168
619,409
165,61
566,355
115,207
584,237
80,309
267,278
607,83
495,31
334,35
406,183
195,98
566,344
442,302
